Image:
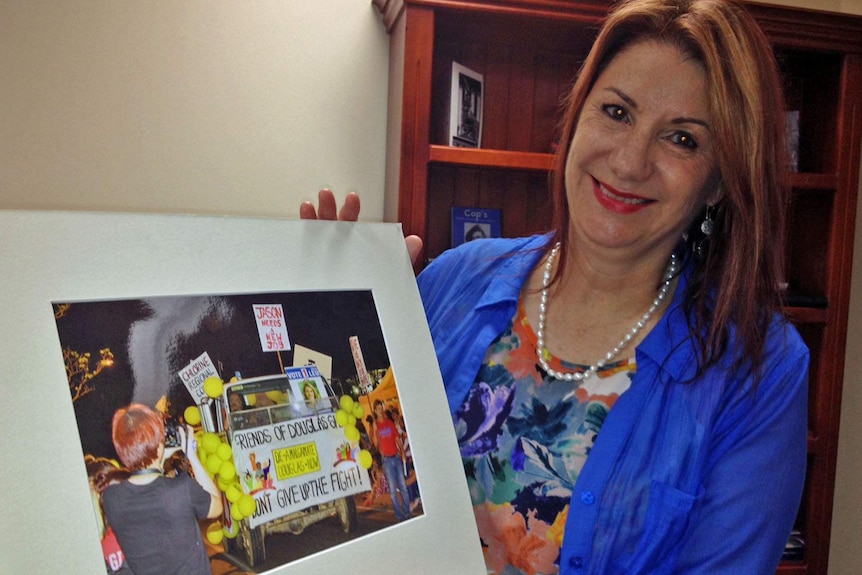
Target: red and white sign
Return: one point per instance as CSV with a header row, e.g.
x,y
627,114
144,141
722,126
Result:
x,y
271,327
359,361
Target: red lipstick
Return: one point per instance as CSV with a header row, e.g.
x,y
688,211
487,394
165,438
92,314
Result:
x,y
617,201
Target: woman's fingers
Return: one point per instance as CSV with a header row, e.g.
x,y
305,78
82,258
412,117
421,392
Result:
x,y
350,210
327,208
307,211
414,247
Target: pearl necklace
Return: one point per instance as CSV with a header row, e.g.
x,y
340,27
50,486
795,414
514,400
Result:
x,y
672,268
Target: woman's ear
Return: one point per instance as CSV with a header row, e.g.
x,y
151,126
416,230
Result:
x,y
717,193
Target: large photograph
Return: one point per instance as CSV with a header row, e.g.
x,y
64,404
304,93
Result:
x,y
276,415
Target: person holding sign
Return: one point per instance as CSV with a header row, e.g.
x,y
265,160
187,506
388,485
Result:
x,y
155,518
626,394
387,441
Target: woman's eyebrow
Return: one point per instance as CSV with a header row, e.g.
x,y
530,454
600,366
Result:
x,y
681,120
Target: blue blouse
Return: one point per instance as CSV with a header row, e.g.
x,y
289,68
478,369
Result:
x,y
688,476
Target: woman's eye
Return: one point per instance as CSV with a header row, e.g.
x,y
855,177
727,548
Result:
x,y
616,112
684,139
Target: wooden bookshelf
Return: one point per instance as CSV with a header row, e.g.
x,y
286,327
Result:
x,y
529,52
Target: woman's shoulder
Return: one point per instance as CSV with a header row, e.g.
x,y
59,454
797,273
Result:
x,y
483,249
783,339
480,256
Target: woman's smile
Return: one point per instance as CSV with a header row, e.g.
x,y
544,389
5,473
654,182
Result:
x,y
618,201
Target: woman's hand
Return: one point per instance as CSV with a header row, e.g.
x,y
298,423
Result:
x,y
349,212
327,208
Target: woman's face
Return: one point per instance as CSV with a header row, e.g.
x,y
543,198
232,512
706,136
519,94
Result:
x,y
642,160
309,392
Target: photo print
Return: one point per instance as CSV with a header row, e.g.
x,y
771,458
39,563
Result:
x,y
285,401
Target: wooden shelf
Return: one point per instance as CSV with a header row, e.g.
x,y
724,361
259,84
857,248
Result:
x,y
500,159
814,181
812,315
793,568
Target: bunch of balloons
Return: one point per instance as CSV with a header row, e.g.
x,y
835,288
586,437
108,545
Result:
x,y
348,413
216,456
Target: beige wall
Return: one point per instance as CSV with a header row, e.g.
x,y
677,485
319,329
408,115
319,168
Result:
x,y
845,6
194,106
244,108
845,557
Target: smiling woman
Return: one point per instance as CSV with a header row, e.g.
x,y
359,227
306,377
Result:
x,y
626,396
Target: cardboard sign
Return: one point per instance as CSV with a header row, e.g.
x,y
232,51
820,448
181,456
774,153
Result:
x,y
195,373
271,327
359,361
295,464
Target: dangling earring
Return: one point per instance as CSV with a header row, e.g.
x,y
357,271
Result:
x,y
707,226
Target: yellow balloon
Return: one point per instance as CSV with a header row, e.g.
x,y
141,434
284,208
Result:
x,y
358,411
213,386
351,433
213,463
224,451
215,534
210,442
341,417
192,415
235,513
222,483
227,471
232,531
346,403
276,396
365,459
233,493
246,505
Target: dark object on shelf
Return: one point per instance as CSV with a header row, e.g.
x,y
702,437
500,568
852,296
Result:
x,y
795,299
795,548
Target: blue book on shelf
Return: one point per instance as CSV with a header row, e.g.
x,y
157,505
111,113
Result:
x,y
474,223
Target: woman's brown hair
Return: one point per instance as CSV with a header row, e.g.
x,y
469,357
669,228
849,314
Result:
x,y
735,284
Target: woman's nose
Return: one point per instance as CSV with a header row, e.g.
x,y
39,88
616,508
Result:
x,y
631,158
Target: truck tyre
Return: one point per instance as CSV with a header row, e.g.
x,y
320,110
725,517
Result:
x,y
231,546
252,542
346,508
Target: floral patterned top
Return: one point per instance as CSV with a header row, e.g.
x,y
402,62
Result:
x,y
524,437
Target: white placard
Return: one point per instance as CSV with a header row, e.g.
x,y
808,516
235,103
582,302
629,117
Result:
x,y
359,361
306,356
195,373
48,524
271,327
302,470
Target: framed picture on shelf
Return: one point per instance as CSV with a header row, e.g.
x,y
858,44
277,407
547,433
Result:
x,y
465,108
474,223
